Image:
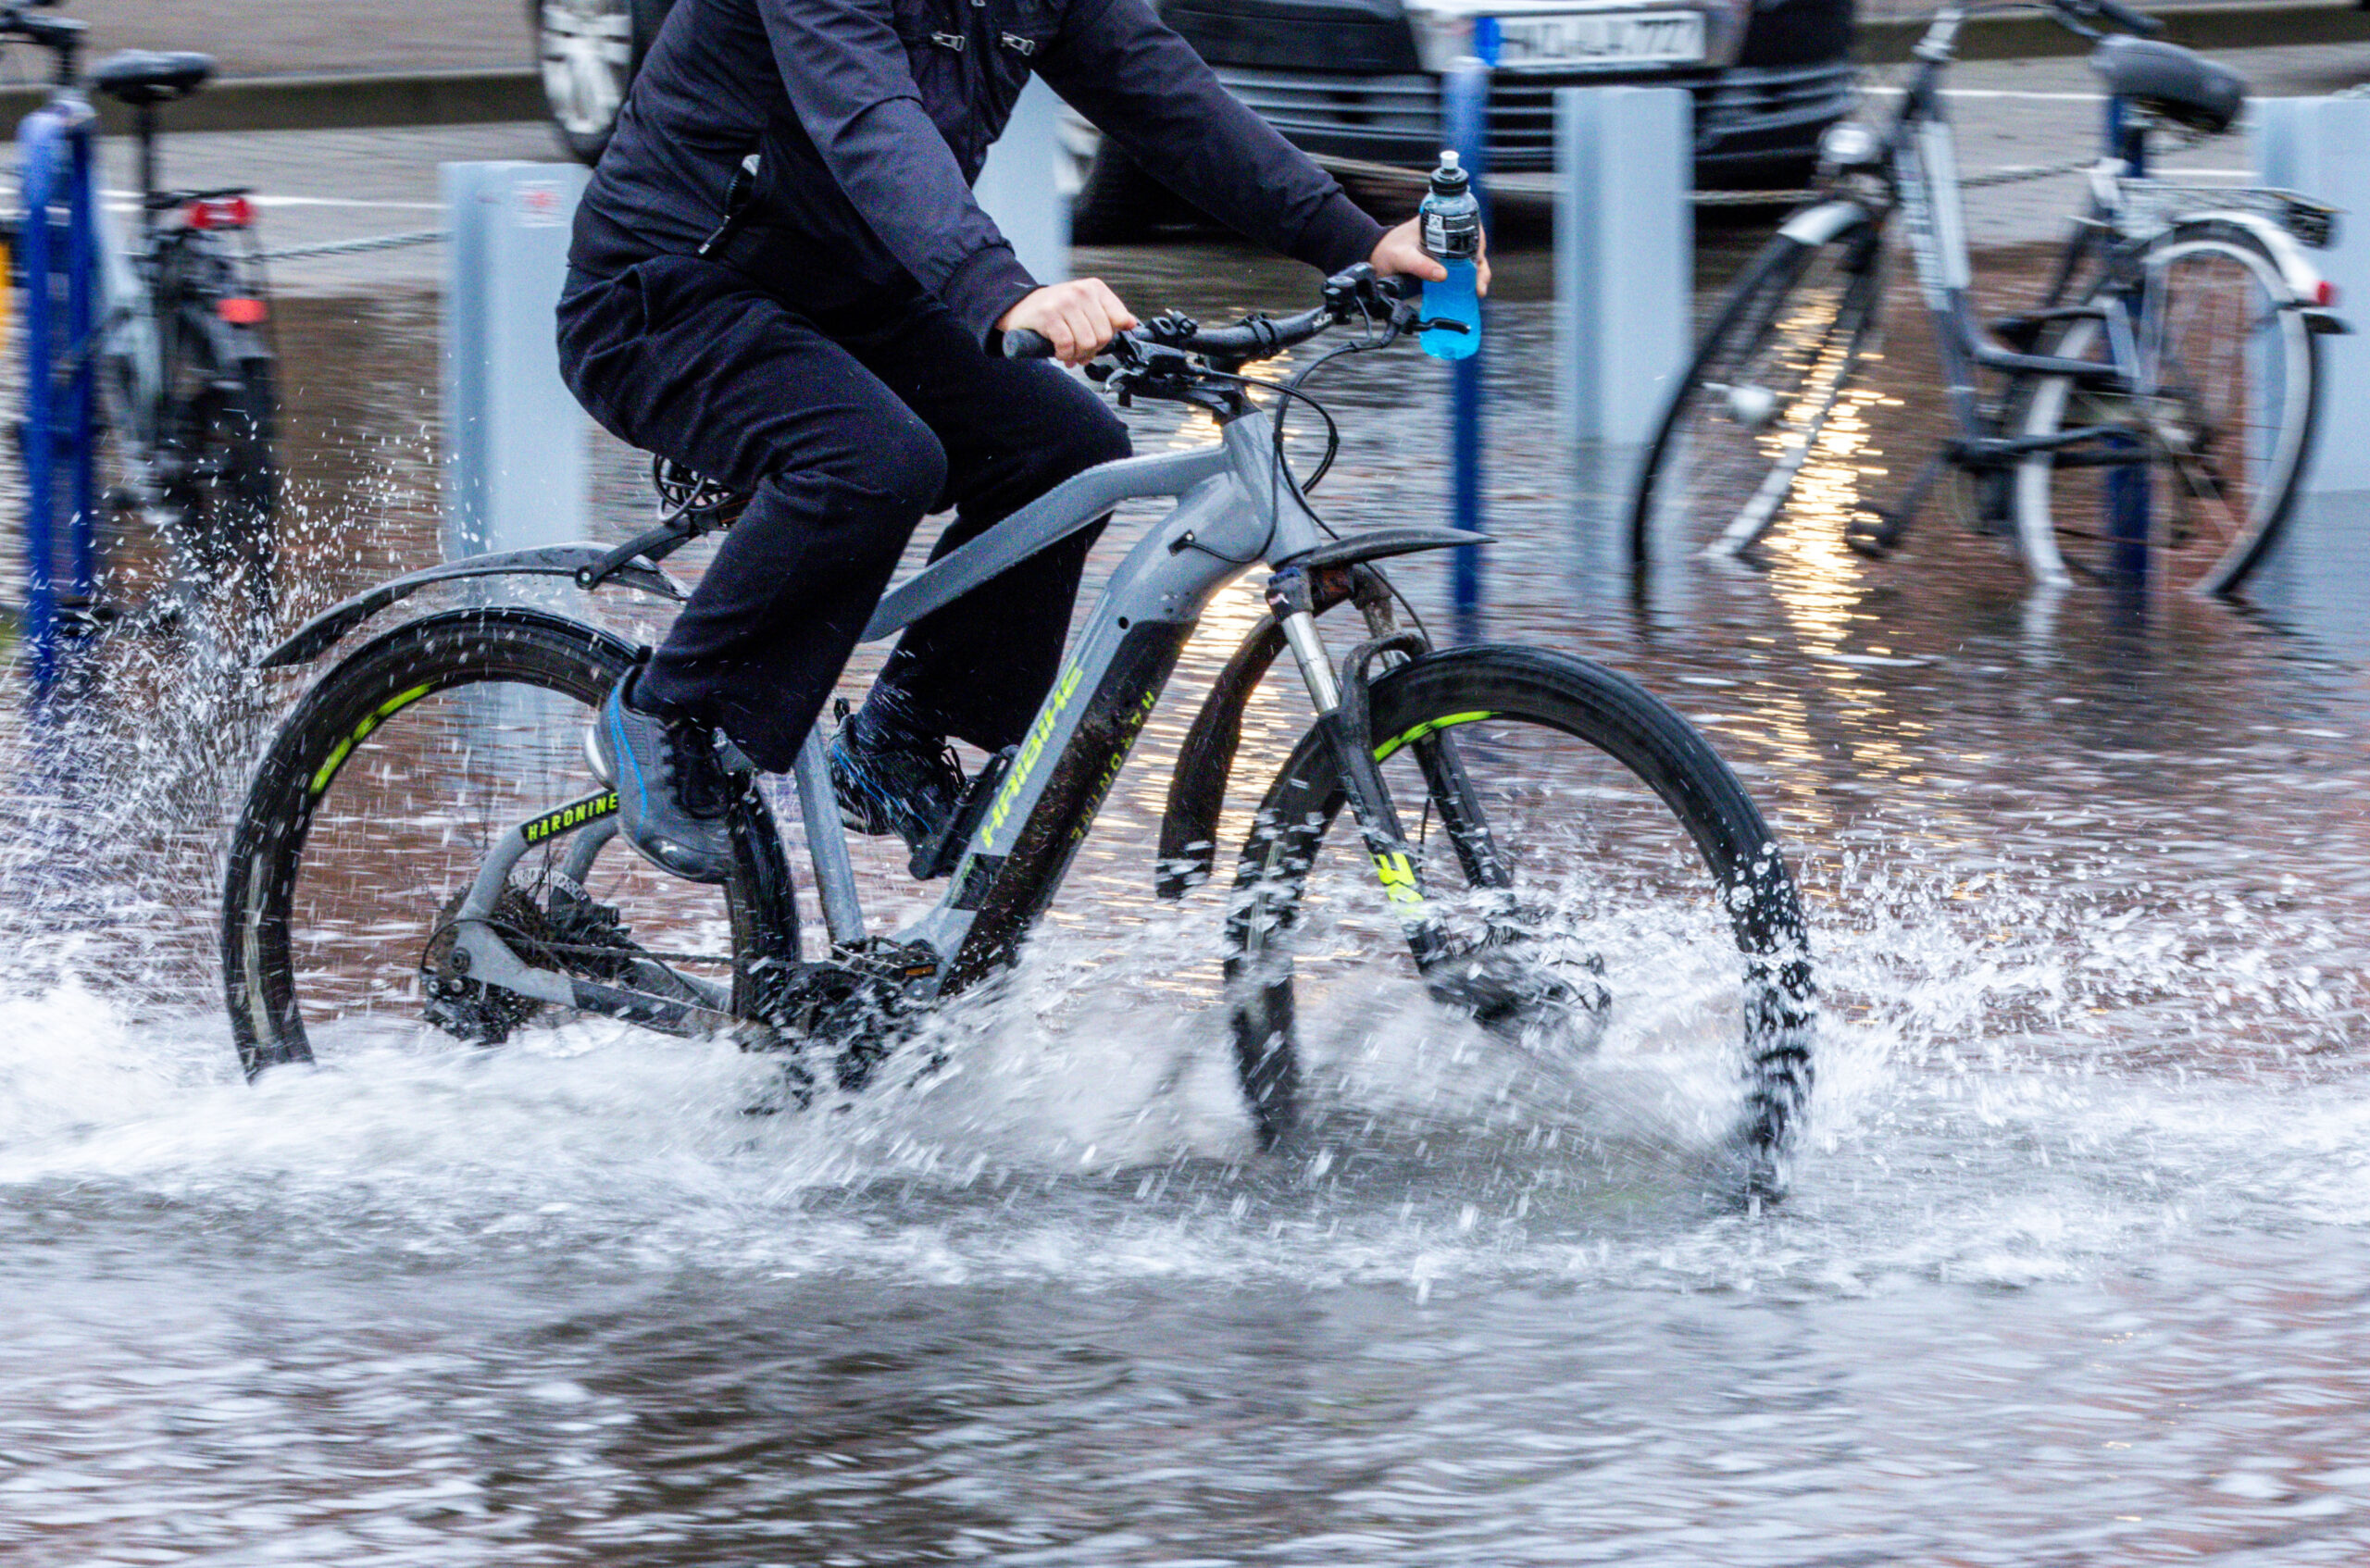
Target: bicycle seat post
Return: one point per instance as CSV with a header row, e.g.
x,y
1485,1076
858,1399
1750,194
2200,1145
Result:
x,y
144,124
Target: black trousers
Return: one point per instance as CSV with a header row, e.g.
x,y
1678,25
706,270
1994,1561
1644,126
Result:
x,y
849,416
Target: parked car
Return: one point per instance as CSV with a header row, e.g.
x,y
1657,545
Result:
x,y
1356,83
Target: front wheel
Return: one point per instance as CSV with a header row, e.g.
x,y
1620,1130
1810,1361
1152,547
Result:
x,y
1595,867
2206,445
1747,420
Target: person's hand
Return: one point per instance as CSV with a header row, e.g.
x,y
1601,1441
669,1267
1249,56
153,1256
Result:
x,y
1079,318
1402,251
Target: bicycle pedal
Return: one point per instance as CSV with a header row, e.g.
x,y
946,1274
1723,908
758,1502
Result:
x,y
937,855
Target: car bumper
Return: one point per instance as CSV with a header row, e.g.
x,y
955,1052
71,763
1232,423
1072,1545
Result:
x,y
1754,125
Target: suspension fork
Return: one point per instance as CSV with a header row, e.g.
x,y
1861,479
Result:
x,y
1344,717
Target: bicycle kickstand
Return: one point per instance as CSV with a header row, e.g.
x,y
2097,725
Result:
x,y
1875,531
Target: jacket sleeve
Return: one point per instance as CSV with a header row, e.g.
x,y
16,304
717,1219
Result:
x,y
1124,68
845,68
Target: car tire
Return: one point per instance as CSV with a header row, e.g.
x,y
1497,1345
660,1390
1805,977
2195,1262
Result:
x,y
588,50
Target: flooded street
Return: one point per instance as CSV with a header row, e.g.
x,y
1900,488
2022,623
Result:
x,y
2076,1268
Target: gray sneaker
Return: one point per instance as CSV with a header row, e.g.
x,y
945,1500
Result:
x,y
672,789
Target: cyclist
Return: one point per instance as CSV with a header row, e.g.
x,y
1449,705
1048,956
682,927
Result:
x,y
778,277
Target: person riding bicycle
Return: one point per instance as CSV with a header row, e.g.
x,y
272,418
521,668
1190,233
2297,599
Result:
x,y
779,278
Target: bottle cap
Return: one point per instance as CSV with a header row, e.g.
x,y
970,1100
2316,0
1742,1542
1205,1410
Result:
x,y
1450,178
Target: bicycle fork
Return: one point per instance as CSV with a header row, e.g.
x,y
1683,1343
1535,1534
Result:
x,y
1344,718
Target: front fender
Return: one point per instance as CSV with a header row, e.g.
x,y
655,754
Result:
x,y
1816,225
1189,828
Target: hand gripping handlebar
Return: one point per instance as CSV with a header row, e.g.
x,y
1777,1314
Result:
x,y
1352,292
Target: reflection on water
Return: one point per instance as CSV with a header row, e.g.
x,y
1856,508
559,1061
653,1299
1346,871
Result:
x,y
2072,1273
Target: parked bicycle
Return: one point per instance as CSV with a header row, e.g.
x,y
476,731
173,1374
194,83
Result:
x,y
2173,350
186,368
1555,851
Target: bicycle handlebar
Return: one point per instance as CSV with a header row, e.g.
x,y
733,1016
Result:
x,y
60,35
1352,291
2138,23
1255,338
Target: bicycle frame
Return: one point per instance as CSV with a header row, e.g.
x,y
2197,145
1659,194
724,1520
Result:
x,y
1235,506
1922,157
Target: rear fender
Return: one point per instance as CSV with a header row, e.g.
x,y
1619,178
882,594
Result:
x,y
2296,269
317,636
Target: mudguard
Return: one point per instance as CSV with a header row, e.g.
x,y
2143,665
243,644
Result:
x,y
1817,225
2296,269
1189,828
317,636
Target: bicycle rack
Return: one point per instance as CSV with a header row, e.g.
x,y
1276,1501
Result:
x,y
55,145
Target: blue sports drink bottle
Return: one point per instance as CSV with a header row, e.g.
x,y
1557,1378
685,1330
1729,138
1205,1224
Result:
x,y
1450,221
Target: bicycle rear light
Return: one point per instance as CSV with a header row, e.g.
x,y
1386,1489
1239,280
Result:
x,y
219,212
240,310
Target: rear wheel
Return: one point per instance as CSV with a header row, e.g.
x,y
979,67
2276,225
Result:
x,y
219,472
1743,432
1597,869
376,807
235,496
2217,447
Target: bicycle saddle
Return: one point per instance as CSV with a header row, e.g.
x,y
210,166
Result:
x,y
2167,80
145,76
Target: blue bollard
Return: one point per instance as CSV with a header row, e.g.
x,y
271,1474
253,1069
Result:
x,y
1464,113
2126,484
55,165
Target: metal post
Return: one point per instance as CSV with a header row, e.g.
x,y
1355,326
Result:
x,y
2320,147
1624,254
36,160
515,454
82,323
1021,185
56,164
1464,101
2127,483
2317,576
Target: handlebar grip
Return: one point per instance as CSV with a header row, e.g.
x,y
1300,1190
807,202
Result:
x,y
1022,344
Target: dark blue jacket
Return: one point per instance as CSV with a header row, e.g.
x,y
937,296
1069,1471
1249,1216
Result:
x,y
872,118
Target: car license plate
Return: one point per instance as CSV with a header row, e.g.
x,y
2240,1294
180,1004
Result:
x,y
1600,39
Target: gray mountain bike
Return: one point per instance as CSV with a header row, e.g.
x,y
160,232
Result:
x,y
1521,838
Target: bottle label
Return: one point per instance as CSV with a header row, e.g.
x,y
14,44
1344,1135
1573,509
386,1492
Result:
x,y
1451,239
